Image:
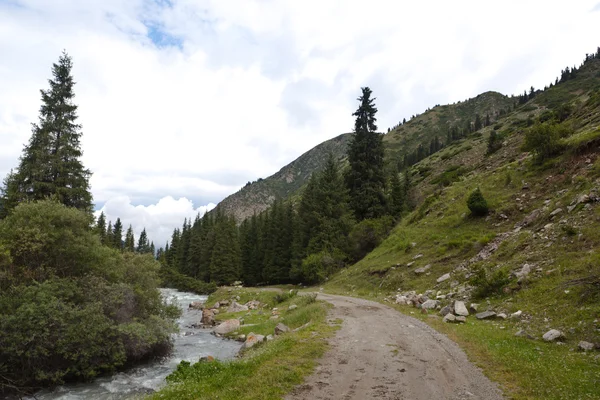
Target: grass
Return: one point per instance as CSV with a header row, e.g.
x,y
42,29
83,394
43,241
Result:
x,y
268,370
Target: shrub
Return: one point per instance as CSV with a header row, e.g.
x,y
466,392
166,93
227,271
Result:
x,y
487,284
477,203
494,143
544,140
71,308
316,267
368,234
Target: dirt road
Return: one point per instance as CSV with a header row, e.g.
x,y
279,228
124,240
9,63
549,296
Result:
x,y
380,353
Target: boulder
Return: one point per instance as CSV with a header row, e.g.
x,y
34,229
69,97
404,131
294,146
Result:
x,y
460,308
400,299
430,304
292,307
485,315
208,317
501,316
235,307
556,212
443,278
528,220
227,326
474,307
422,270
553,335
269,338
217,305
585,346
516,314
281,328
252,304
224,303
207,359
196,305
449,318
446,310
252,339
461,318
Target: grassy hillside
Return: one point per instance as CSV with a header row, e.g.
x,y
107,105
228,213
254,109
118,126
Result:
x,y
257,196
544,219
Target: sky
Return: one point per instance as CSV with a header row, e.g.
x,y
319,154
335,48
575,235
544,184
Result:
x,y
184,101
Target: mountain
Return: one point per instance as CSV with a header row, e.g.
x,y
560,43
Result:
x,y
257,196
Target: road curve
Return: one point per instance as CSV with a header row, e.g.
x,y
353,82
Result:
x,y
380,353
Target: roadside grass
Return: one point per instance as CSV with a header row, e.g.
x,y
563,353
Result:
x,y
525,368
268,370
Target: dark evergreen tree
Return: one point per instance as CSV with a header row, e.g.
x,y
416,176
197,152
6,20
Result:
x,y
142,244
478,124
118,235
129,244
225,263
50,166
109,235
101,227
365,177
397,196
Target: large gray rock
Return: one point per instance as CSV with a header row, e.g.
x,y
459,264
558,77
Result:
x,y
235,307
449,318
485,315
281,328
400,299
430,304
422,270
556,212
553,335
446,310
523,272
460,308
196,305
443,278
227,326
586,346
461,318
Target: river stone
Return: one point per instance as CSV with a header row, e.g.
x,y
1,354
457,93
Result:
x,y
235,307
217,305
585,346
208,317
228,326
196,305
400,299
485,315
553,335
224,303
460,308
461,318
281,328
443,278
430,304
252,339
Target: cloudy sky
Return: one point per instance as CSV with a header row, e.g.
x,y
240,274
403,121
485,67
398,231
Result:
x,y
184,101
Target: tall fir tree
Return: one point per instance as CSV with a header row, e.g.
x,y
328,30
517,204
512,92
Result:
x,y
118,235
142,244
50,166
397,195
101,227
129,244
225,263
365,178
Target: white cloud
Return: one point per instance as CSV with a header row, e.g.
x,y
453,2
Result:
x,y
159,219
249,85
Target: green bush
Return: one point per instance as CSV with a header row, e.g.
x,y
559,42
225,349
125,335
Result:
x,y
318,266
494,143
368,234
544,140
71,308
174,279
477,203
488,284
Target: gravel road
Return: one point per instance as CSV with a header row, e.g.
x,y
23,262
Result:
x,y
380,353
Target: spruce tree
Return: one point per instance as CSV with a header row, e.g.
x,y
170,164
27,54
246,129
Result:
x,y
50,166
118,235
142,244
109,240
101,227
225,263
397,196
365,178
129,240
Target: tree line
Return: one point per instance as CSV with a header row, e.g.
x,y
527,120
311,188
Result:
x,y
343,213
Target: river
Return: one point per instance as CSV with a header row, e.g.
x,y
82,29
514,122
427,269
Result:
x,y
190,345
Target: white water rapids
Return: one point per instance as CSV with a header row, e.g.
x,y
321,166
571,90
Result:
x,y
189,345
